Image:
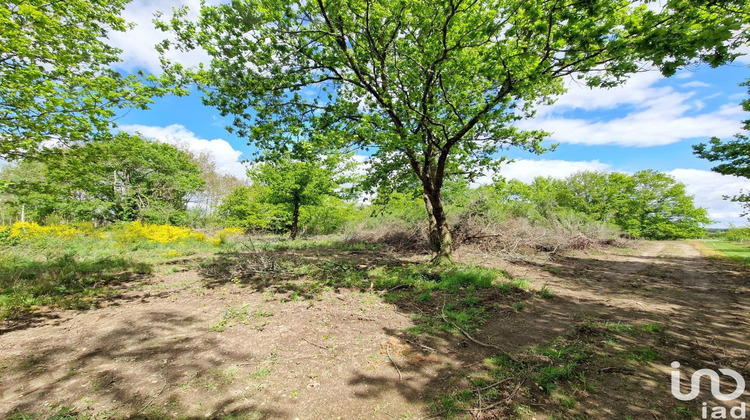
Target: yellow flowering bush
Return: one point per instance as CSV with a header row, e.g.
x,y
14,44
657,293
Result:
x,y
163,234
28,230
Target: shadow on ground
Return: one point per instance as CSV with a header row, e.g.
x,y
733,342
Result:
x,y
598,346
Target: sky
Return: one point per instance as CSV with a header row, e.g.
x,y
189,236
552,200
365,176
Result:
x,y
649,123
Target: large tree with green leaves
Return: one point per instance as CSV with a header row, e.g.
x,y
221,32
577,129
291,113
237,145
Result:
x,y
431,88
733,155
122,178
56,78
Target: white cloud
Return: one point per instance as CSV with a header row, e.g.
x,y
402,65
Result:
x,y
745,50
526,170
695,84
709,188
226,157
651,115
138,43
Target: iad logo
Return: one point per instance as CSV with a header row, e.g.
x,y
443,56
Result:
x,y
738,412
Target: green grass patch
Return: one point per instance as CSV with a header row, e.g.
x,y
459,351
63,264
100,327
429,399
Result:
x,y
642,355
68,281
733,250
652,327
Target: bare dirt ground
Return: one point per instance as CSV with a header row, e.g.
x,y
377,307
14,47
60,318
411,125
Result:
x,y
179,346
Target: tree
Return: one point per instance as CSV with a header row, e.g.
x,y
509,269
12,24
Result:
x,y
123,178
22,191
57,80
661,209
431,88
217,183
296,183
244,207
734,155
646,204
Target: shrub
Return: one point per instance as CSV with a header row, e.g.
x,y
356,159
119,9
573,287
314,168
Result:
x,y
30,230
134,232
738,234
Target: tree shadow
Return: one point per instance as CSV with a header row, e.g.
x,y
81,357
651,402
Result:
x,y
488,369
34,289
139,365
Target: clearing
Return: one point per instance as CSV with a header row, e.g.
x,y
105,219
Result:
x,y
249,335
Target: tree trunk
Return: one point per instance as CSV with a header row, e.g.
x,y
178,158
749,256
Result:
x,y
441,241
295,220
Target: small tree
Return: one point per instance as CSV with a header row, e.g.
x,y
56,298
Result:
x,y
431,87
296,183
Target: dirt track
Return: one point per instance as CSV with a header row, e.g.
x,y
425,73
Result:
x,y
162,351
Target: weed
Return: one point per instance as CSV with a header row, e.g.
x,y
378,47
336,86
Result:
x,y
643,355
261,373
618,327
651,328
546,293
232,317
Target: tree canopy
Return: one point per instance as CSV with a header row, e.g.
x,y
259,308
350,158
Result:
x,y
733,155
58,84
122,178
431,88
646,204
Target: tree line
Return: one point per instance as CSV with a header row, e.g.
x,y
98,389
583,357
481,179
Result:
x,y
430,89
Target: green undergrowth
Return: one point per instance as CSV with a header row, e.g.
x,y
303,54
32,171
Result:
x,y
68,282
554,375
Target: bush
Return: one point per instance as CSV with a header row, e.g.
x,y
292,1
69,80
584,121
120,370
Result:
x,y
134,232
738,234
29,230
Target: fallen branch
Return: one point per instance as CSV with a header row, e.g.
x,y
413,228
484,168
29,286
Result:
x,y
388,353
316,345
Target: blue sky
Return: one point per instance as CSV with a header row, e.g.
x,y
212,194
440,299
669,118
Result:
x,y
651,122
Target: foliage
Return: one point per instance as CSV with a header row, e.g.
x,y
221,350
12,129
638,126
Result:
x,y
217,184
645,204
734,155
431,88
287,193
738,234
57,76
244,208
123,178
292,183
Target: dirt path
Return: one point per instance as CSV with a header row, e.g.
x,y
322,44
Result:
x,y
176,348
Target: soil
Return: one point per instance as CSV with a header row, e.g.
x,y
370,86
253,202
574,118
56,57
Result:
x,y
173,347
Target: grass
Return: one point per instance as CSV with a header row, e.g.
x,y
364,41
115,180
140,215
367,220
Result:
x,y
69,282
643,355
546,293
733,250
